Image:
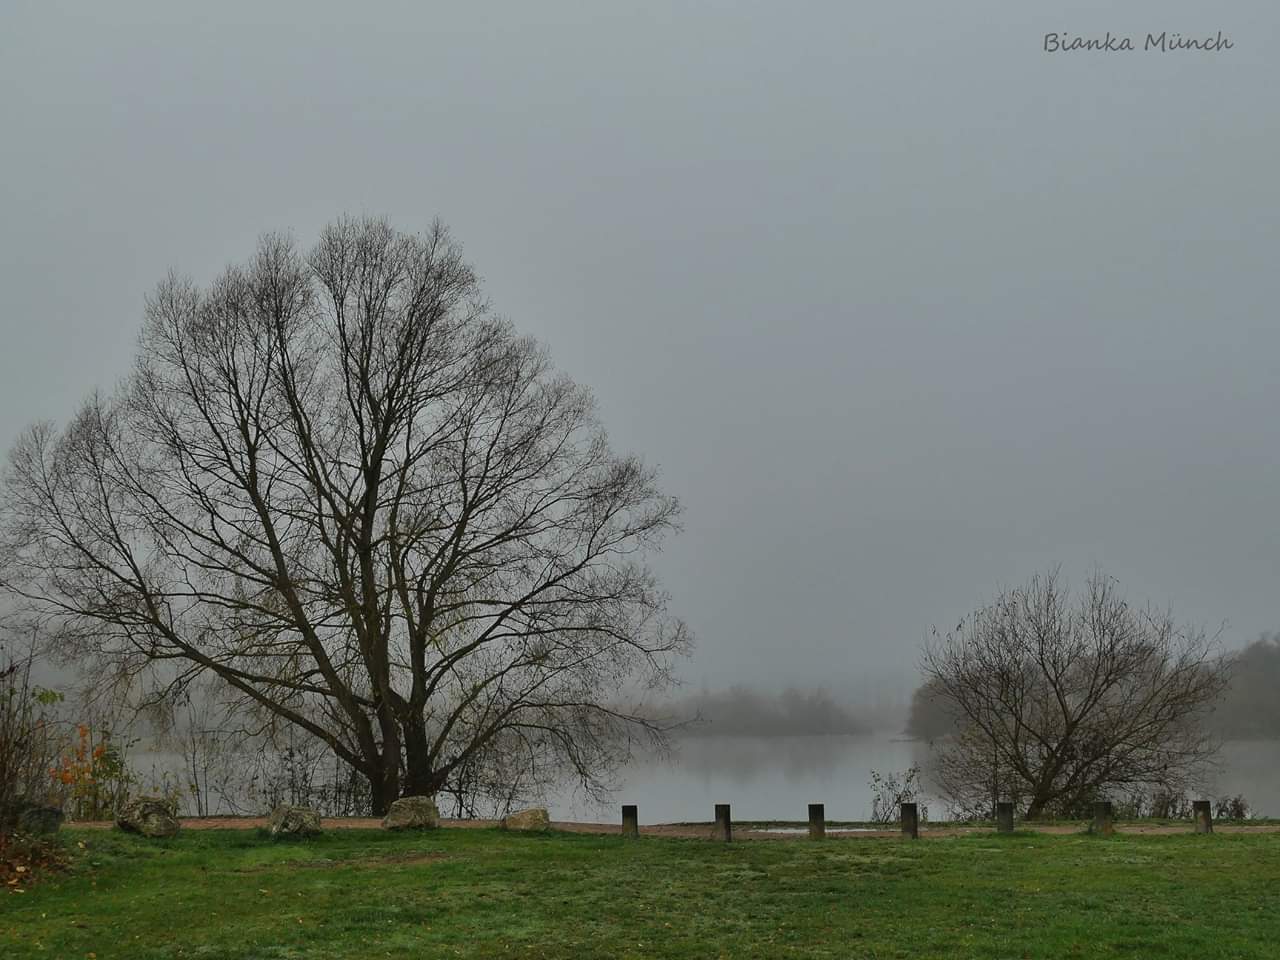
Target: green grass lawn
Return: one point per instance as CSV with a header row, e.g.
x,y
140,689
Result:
x,y
483,893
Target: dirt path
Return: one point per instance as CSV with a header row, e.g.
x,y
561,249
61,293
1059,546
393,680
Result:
x,y
699,831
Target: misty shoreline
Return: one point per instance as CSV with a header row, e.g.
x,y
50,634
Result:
x,y
742,711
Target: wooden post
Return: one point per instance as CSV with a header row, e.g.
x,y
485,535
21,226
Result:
x,y
630,821
1004,817
1102,818
910,821
1204,815
724,827
817,821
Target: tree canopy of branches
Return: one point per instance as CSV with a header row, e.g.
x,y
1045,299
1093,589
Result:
x,y
1059,700
341,485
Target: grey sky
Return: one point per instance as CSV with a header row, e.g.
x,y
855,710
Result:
x,y
904,307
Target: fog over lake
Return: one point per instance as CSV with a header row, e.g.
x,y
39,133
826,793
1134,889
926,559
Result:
x,y
891,351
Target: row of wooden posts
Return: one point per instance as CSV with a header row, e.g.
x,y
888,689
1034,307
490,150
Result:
x,y
1103,819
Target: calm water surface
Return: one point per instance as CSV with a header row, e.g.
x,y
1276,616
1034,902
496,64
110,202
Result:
x,y
775,778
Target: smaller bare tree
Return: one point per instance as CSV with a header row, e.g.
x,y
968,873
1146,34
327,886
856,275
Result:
x,y
1059,700
889,791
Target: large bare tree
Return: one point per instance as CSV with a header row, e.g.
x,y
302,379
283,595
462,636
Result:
x,y
1060,699
338,483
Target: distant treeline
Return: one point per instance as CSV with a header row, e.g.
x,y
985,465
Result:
x,y
742,711
1249,711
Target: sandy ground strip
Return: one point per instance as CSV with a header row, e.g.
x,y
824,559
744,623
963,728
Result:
x,y
698,831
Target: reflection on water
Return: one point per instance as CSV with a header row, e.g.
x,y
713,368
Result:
x,y
775,778
762,778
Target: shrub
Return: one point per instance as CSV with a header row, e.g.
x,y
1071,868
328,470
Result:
x,y
889,791
27,736
93,774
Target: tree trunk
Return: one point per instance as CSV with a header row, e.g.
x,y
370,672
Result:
x,y
378,804
384,788
423,782
422,777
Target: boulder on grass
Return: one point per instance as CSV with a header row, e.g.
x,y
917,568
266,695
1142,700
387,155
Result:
x,y
24,816
290,821
535,818
37,818
149,817
412,813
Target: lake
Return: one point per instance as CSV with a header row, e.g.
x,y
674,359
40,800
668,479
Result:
x,y
775,778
